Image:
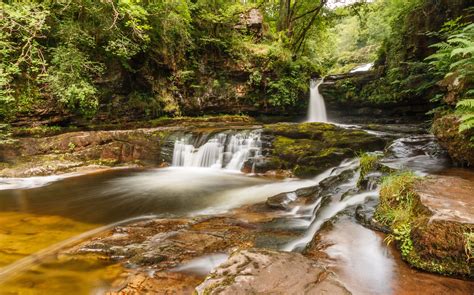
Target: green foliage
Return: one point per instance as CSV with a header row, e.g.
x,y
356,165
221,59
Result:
x,y
77,56
22,25
368,162
396,198
454,59
401,233
469,245
178,55
70,76
396,208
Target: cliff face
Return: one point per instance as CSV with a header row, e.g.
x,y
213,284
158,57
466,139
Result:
x,y
346,101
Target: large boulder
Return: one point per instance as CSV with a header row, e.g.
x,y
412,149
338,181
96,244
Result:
x,y
432,220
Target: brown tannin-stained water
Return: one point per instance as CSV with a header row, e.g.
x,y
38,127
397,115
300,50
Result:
x,y
37,214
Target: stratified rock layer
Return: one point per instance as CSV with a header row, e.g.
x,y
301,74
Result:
x,y
270,272
436,234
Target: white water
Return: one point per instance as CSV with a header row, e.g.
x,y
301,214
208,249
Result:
x,y
29,182
224,150
361,257
317,107
335,206
363,68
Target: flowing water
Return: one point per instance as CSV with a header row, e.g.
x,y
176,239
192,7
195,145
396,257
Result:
x,y
223,150
317,107
363,68
40,215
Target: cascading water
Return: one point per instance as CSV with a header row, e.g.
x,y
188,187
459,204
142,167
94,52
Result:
x,y
363,68
224,150
317,107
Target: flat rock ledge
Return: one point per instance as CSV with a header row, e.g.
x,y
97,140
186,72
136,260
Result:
x,y
270,272
448,198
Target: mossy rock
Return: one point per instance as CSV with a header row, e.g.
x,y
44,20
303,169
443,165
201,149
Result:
x,y
459,148
310,148
429,236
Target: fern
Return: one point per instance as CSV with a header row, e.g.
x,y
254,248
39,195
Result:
x,y
455,56
466,104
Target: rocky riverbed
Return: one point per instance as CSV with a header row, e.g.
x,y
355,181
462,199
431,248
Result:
x,y
237,234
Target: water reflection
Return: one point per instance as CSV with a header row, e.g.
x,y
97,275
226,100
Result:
x,y
361,258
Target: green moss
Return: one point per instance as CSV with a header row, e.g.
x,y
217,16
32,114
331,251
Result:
x,y
368,162
310,148
469,245
396,199
432,245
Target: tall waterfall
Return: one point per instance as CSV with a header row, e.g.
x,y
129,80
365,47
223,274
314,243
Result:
x,y
317,108
223,150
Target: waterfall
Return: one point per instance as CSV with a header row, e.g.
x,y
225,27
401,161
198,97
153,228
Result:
x,y
224,150
317,108
363,68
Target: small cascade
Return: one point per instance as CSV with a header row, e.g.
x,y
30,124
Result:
x,y
363,68
223,150
317,107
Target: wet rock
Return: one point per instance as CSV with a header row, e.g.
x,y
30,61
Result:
x,y
284,201
307,149
165,282
270,272
365,216
280,174
370,180
331,181
164,243
458,145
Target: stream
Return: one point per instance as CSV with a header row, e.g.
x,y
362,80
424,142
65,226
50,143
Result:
x,y
38,214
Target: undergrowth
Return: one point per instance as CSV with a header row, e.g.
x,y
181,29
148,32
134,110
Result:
x,y
396,206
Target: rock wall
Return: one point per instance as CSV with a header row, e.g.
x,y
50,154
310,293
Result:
x,y
346,101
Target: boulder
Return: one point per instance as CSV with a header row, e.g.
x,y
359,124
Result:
x,y
432,220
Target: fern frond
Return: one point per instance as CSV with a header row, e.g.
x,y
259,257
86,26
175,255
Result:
x,y
466,104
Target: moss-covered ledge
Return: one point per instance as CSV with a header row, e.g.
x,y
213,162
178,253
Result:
x,y
307,149
432,221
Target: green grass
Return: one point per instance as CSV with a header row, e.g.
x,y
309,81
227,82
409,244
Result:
x,y
396,206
